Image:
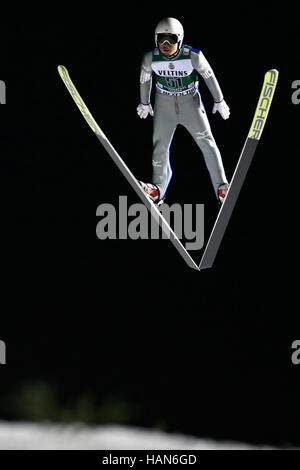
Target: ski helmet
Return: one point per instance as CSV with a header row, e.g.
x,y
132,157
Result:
x,y
169,26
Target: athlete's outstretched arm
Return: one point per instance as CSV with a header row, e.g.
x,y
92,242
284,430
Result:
x,y
202,66
146,78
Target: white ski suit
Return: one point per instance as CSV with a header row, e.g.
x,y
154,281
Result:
x,y
178,101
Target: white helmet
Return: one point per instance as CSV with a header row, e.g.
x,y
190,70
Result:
x,y
170,26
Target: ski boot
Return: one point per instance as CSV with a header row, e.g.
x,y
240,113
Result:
x,y
153,192
222,192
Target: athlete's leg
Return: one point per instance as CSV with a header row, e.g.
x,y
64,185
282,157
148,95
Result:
x,y
194,118
164,125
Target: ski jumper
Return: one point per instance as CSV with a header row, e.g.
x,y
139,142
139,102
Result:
x,y
178,101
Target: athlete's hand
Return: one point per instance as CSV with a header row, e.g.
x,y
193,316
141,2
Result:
x,y
222,108
144,109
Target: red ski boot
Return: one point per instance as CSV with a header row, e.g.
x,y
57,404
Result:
x,y
222,192
151,190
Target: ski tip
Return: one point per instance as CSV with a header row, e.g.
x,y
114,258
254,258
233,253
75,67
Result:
x,y
63,72
61,68
264,104
272,74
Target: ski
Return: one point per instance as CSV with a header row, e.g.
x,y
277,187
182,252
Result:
x,y
153,209
259,120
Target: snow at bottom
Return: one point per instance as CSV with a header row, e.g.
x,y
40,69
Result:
x,y
32,436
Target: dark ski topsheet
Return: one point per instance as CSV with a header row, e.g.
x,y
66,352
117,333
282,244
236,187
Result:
x,y
225,211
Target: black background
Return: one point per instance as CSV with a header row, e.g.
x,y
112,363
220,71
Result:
x,y
204,353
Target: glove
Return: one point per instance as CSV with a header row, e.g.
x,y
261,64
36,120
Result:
x,y
222,108
144,109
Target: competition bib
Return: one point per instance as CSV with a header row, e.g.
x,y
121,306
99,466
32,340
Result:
x,y
177,76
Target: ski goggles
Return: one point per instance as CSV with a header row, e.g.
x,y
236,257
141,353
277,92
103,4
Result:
x,y
170,38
